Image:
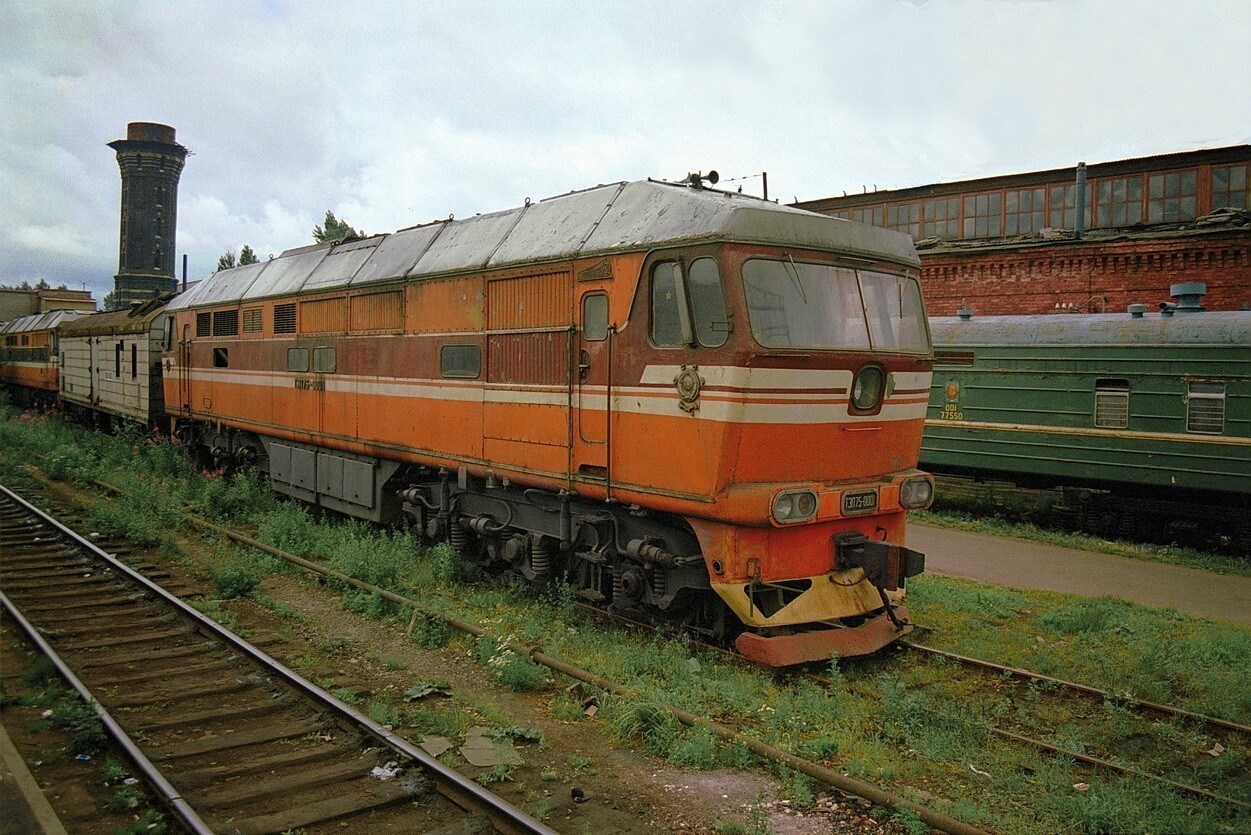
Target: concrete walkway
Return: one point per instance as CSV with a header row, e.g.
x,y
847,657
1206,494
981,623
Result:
x,y
1031,565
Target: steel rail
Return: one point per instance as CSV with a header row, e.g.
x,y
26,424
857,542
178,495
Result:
x,y
1025,740
173,798
818,772
453,785
1081,688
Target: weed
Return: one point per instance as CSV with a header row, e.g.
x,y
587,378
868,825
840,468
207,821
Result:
x,y
910,821
40,673
498,773
151,822
654,725
125,798
385,714
548,775
79,720
510,667
113,772
695,749
279,607
580,765
238,579
431,632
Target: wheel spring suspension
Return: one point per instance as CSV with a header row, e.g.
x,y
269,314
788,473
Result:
x,y
659,586
618,591
458,536
540,556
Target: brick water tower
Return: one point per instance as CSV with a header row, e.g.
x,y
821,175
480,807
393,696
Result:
x,y
151,162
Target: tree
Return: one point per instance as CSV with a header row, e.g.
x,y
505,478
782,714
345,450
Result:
x,y
247,256
42,284
110,301
334,230
227,260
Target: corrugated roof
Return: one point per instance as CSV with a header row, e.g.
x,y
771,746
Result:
x,y
620,217
135,319
41,321
1232,327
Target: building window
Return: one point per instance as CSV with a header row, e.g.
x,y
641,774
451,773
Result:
x,y
1120,201
297,359
981,215
252,320
942,218
284,318
1205,408
905,217
872,216
1024,211
1171,197
1112,404
324,360
1063,214
1229,187
460,360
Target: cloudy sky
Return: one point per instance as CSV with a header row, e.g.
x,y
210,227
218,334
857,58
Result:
x,y
396,113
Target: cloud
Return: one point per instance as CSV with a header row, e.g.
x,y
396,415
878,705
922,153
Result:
x,y
392,114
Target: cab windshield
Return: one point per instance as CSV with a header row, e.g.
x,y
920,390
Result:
x,y
799,305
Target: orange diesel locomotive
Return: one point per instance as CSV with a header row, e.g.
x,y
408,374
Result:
x,y
692,406
28,356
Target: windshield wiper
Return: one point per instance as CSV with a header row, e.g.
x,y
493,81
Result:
x,y
794,273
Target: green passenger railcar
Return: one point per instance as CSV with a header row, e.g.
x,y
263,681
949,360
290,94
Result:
x,y
1156,411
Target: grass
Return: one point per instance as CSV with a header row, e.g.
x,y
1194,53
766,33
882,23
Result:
x,y
893,719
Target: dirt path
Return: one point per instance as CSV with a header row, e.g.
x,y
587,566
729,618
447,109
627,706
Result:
x,y
1011,562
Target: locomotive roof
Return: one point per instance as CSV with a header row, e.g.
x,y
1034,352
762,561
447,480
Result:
x,y
135,319
1203,328
40,321
612,218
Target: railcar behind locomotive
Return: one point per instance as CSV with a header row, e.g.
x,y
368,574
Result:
x,y
28,356
1144,422
110,365
692,406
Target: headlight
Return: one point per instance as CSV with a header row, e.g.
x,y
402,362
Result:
x,y
916,492
795,506
866,390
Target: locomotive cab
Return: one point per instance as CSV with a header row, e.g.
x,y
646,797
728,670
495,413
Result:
x,y
805,377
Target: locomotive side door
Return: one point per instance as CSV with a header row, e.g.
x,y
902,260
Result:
x,y
593,381
184,370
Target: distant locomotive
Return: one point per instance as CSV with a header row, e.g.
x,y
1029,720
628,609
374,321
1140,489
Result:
x,y
1144,421
692,406
28,356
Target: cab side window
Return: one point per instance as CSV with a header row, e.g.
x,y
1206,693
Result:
x,y
671,323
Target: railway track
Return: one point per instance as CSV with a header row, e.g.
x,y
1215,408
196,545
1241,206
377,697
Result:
x,y
234,741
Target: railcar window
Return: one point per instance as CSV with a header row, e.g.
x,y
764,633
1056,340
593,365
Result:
x,y
297,359
1205,408
595,317
221,358
460,360
134,360
202,324
284,318
1112,404
712,325
671,321
117,361
324,360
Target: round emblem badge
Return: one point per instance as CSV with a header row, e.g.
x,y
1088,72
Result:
x,y
688,383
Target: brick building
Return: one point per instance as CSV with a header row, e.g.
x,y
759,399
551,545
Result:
x,y
1030,243
16,302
